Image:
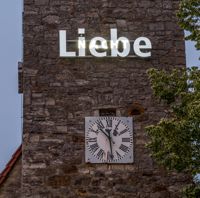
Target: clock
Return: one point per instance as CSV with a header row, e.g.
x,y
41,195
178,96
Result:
x,y
109,140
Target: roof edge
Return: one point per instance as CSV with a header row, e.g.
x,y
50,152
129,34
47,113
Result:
x,y
10,165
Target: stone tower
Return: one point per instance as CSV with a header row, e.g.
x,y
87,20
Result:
x,y
60,92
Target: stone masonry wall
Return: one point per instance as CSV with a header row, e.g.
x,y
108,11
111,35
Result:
x,y
59,93
11,188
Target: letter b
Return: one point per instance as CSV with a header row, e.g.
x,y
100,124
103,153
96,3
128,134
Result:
x,y
115,45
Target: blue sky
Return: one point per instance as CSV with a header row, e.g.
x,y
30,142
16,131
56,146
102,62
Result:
x,y
10,100
10,54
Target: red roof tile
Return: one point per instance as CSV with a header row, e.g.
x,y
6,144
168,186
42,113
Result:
x,y
10,165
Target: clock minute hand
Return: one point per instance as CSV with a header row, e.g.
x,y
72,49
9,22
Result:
x,y
109,138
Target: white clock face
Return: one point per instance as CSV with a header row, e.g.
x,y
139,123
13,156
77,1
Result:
x,y
109,140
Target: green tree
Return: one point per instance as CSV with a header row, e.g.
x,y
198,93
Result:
x,y
189,19
175,140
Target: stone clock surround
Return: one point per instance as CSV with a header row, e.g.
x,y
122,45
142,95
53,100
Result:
x,y
59,93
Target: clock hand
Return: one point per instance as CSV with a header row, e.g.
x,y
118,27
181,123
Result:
x,y
109,134
104,132
109,138
111,149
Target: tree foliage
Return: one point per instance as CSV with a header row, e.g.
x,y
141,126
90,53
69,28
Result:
x,y
175,140
189,19
192,191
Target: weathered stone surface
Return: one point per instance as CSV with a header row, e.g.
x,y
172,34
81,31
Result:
x,y
121,23
59,93
51,20
40,2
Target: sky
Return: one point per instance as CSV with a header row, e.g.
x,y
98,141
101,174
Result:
x,y
10,100
10,55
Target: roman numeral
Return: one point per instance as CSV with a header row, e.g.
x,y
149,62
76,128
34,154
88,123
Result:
x,y
100,154
118,155
124,131
115,133
117,124
94,147
126,139
109,122
109,156
92,130
100,124
123,148
92,140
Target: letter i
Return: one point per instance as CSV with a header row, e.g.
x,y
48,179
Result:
x,y
81,42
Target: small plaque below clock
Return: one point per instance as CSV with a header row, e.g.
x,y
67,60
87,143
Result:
x,y
109,140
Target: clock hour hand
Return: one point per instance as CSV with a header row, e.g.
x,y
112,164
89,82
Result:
x,y
104,132
107,131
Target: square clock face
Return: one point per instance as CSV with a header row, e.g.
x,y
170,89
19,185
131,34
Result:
x,y
109,140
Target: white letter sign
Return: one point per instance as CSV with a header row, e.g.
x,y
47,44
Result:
x,y
100,47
